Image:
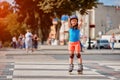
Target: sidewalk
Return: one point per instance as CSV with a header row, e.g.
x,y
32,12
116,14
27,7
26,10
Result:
x,y
60,50
86,51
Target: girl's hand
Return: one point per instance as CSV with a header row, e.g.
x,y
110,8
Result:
x,y
80,25
69,24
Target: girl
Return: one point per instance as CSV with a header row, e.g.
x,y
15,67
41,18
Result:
x,y
74,43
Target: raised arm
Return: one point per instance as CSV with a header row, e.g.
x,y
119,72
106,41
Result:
x,y
69,24
80,25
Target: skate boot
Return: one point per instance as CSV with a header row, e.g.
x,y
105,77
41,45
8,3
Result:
x,y
71,68
80,69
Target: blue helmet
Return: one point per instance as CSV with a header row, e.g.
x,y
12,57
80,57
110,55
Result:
x,y
73,17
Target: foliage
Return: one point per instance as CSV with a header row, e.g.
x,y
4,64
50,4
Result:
x,y
37,13
5,9
4,35
13,26
66,6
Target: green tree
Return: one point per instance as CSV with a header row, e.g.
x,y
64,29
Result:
x,y
66,6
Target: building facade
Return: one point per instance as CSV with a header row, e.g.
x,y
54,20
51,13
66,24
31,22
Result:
x,y
106,18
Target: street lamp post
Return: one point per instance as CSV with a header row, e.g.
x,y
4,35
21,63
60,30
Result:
x,y
89,42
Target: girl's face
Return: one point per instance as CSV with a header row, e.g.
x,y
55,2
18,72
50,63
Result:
x,y
74,22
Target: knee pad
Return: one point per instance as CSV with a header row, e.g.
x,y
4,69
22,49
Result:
x,y
71,56
78,55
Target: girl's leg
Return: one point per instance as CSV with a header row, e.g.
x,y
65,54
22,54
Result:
x,y
71,66
80,65
78,50
71,57
79,58
78,55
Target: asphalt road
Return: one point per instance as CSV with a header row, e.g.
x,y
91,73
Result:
x,y
48,65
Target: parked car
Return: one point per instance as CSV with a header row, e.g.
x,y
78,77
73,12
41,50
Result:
x,y
102,44
117,43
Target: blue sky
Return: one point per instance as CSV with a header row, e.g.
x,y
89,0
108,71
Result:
x,y
110,2
106,2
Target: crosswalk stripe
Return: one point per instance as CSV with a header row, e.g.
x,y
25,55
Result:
x,y
52,71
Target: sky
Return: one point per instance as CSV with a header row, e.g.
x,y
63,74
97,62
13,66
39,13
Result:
x,y
106,2
110,2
